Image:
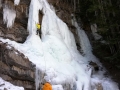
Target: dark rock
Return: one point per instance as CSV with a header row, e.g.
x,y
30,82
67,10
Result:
x,y
5,89
15,68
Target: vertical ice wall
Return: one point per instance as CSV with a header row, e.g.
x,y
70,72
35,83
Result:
x,y
54,32
86,47
35,6
83,39
51,25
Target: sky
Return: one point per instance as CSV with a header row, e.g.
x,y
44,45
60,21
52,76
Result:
x,y
55,53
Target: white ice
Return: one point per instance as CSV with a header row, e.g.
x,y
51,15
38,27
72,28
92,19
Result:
x,y
16,2
9,16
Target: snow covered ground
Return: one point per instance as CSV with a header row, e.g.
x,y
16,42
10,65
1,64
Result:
x,y
8,86
56,53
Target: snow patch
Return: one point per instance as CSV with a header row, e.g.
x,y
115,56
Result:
x,y
8,86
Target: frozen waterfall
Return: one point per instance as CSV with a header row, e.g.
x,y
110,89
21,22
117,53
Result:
x,y
55,54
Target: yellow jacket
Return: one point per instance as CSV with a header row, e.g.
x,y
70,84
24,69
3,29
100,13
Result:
x,y
47,86
38,26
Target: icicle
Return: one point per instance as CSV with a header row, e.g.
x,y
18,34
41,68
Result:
x,y
9,16
94,32
16,2
37,78
84,41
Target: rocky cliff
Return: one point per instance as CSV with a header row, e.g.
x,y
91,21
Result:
x,y
16,68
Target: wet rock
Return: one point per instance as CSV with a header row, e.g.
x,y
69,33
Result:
x,y
5,89
99,86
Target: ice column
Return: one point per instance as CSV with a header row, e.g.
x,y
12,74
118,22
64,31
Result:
x,y
35,6
9,16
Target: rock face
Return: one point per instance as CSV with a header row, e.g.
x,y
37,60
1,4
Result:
x,y
15,68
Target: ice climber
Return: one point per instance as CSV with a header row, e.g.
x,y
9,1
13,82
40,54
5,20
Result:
x,y
38,29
